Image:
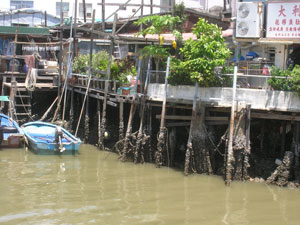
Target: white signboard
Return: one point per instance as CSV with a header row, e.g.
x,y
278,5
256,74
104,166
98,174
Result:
x,y
283,20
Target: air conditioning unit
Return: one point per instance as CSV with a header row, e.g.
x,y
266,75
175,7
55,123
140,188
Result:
x,y
249,19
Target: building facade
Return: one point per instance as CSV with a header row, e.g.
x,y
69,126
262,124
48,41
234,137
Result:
x,y
54,6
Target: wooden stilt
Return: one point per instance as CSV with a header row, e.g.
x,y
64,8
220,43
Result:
x,y
296,150
161,141
149,132
141,137
99,121
71,110
247,151
283,134
230,157
131,114
121,120
90,72
172,142
86,121
189,148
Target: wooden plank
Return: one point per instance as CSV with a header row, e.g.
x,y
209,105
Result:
x,y
272,116
178,117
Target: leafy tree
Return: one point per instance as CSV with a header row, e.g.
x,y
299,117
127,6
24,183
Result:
x,y
157,25
201,56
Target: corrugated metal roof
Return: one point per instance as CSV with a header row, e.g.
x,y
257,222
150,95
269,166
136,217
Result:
x,y
40,31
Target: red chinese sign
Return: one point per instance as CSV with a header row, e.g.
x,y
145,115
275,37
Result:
x,y
283,20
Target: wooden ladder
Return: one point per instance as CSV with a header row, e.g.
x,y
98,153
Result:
x,y
21,100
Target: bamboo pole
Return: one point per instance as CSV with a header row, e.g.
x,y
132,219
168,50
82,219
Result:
x,y
90,72
49,109
108,73
129,124
230,158
140,136
103,15
60,49
75,31
161,142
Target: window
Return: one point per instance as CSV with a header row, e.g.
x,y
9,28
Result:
x,y
65,8
88,9
20,4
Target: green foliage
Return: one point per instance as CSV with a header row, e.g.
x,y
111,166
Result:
x,y
157,51
289,82
202,56
281,84
296,79
157,24
99,63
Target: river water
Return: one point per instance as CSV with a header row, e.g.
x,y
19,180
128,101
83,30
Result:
x,y
95,188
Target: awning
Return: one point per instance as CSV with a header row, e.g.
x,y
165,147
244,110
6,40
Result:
x,y
4,99
38,31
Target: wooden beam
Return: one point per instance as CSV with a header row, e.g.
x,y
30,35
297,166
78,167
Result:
x,y
135,5
207,118
272,116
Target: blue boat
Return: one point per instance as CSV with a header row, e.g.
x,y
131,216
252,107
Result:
x,y
48,139
11,135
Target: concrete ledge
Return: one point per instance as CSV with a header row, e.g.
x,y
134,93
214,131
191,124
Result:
x,y
258,98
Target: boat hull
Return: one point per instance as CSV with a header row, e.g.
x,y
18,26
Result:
x,y
40,138
12,133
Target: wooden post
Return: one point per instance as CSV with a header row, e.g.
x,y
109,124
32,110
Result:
x,y
189,148
230,157
84,10
46,19
103,15
149,132
142,14
283,134
121,121
139,150
60,51
131,114
75,31
297,148
99,119
161,142
106,87
86,120
90,72
72,110
151,7
172,142
247,152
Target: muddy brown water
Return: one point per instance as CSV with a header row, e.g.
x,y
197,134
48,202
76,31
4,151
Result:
x,y
95,188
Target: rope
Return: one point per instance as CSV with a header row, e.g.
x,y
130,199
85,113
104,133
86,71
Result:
x,y
30,81
216,148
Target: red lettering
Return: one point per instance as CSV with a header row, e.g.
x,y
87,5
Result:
x,y
297,22
283,22
277,21
291,22
281,11
296,11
